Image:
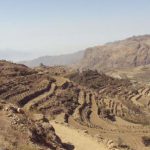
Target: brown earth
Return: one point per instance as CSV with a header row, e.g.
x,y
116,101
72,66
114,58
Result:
x,y
135,74
114,111
132,52
18,131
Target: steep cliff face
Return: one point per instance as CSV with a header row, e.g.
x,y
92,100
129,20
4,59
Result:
x,y
134,51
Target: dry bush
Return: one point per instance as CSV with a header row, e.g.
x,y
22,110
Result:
x,y
146,141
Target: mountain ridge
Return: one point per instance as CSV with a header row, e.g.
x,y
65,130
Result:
x,y
131,52
65,59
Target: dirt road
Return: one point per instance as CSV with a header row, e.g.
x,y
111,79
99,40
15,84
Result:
x,y
77,138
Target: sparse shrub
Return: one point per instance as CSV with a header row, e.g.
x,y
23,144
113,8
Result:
x,y
121,144
146,141
107,114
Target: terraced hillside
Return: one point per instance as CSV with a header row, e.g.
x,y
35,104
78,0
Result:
x,y
136,74
115,112
19,86
112,108
37,91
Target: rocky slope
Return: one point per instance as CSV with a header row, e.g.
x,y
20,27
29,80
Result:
x,y
132,52
115,111
136,74
18,131
112,108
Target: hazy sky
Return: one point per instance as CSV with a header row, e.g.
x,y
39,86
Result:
x,y
30,28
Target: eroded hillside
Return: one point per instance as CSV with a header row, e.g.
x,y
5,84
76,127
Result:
x,y
18,131
132,52
115,113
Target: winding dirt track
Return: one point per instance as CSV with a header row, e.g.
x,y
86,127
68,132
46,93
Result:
x,y
78,139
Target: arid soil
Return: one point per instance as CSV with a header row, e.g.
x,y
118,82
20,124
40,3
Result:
x,y
113,113
18,131
135,74
79,139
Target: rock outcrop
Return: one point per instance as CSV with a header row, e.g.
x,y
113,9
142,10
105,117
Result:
x,y
132,52
19,131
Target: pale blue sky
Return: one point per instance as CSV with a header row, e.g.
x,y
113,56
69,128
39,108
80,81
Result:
x,y
31,28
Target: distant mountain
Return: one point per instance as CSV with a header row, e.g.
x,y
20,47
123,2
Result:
x,y
131,52
68,59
